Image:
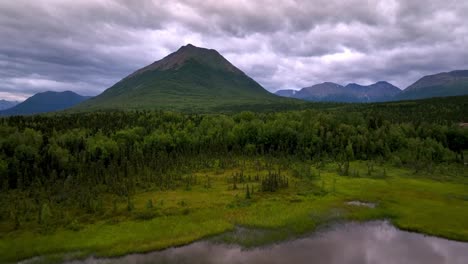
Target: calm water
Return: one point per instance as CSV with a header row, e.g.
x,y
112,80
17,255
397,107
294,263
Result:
x,y
372,242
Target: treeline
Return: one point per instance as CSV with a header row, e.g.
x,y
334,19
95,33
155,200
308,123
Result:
x,y
72,160
38,149
444,111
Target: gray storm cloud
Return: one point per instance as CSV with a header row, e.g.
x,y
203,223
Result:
x,y
88,45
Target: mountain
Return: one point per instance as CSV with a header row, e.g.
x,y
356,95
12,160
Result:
x,y
45,102
190,79
377,92
438,85
454,83
326,91
332,92
4,104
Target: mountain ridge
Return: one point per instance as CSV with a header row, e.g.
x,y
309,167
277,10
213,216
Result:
x,y
451,83
354,93
45,102
444,84
5,104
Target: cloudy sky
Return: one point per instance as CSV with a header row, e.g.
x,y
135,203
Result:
x,y
88,45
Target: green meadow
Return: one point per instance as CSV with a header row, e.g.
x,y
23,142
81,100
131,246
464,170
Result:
x,y
212,203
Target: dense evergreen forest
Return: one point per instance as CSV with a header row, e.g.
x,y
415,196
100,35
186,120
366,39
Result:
x,y
446,110
71,161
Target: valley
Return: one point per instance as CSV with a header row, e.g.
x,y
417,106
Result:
x,y
190,148
233,132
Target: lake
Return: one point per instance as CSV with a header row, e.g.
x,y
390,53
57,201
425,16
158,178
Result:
x,y
370,242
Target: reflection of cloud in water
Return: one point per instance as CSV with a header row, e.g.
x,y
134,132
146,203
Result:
x,y
373,242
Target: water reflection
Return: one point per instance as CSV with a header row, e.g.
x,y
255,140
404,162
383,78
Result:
x,y
372,242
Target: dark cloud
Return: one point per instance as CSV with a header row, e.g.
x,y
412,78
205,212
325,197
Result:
x,y
88,45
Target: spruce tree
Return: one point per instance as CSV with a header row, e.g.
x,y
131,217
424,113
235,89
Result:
x,y
46,215
149,204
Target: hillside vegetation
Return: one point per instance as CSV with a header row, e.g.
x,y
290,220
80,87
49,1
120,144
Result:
x,y
191,79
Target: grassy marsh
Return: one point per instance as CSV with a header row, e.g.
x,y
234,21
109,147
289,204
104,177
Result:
x,y
211,206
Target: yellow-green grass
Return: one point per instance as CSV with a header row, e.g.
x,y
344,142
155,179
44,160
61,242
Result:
x,y
183,216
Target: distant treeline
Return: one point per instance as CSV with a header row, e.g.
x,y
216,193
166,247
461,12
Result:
x,y
73,159
445,110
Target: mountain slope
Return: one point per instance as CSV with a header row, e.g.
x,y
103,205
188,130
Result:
x,y
324,92
4,104
190,79
377,92
45,102
438,85
332,92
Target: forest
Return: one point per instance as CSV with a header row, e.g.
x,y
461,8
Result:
x,y
66,171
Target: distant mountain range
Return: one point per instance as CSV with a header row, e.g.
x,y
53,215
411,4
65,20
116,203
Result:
x,y
194,79
191,79
332,92
45,102
4,104
439,85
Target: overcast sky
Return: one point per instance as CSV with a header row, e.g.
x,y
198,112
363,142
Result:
x,y
88,45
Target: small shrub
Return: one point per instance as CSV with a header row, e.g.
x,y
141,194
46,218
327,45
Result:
x,y
149,204
74,225
247,192
146,215
130,205
46,215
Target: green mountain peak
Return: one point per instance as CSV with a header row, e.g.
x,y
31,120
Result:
x,y
187,54
191,79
